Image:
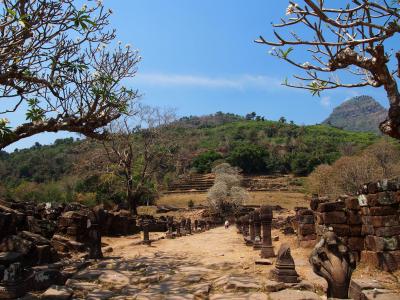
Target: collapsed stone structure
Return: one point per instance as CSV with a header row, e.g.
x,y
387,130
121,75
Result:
x,y
305,223
368,224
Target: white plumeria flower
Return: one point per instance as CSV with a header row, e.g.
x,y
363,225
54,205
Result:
x,y
306,64
128,46
290,9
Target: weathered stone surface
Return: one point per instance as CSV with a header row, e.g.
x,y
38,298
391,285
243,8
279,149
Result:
x,y
56,292
387,261
334,217
358,285
99,294
306,229
381,221
274,286
341,229
331,206
247,296
376,243
356,243
114,278
354,218
387,231
352,203
243,284
81,285
378,210
382,198
294,295
379,294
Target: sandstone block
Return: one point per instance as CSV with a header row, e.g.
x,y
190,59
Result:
x,y
334,217
331,206
354,218
387,231
376,243
306,229
356,243
352,203
381,221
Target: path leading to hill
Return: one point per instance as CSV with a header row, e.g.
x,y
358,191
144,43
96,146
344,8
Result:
x,y
210,265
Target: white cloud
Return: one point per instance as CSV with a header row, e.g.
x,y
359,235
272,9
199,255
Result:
x,y
240,82
325,101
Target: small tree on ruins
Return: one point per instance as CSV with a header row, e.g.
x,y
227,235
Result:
x,y
226,195
355,37
56,69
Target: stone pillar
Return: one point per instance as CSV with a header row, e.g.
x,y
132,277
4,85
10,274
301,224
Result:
x,y
94,235
146,234
178,229
239,225
246,227
170,226
267,250
250,241
188,226
196,225
257,230
183,227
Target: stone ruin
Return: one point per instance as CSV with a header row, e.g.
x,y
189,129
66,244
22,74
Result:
x,y
305,223
285,270
368,224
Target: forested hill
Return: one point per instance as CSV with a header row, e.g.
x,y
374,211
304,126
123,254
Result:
x,y
362,113
252,143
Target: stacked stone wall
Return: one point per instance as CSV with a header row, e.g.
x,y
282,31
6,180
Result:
x,y
381,224
306,234
344,218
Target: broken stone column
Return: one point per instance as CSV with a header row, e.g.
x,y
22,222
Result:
x,y
257,230
94,235
332,260
170,227
267,250
183,226
196,225
188,226
146,234
285,269
178,229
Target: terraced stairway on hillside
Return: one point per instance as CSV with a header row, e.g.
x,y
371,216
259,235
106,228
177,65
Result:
x,y
192,183
200,183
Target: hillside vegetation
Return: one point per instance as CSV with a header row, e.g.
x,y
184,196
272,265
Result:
x,y
52,173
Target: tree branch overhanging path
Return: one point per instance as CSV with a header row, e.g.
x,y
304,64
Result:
x,y
56,68
356,39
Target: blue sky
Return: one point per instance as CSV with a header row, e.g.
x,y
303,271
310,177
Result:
x,y
199,57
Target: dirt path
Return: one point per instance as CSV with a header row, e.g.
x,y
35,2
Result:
x,y
215,264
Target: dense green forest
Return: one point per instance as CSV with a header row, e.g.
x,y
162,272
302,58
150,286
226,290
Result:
x,y
50,173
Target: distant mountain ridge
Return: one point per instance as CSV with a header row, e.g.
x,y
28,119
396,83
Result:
x,y
361,113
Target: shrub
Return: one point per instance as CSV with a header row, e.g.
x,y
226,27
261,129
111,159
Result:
x,y
203,162
250,158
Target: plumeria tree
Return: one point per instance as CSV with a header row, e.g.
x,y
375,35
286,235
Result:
x,y
349,44
60,68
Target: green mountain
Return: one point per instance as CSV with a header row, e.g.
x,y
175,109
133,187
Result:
x,y
283,147
362,113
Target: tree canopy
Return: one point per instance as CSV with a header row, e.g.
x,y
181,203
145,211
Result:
x,y
60,67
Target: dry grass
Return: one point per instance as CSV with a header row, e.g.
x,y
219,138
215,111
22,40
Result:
x,y
285,199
